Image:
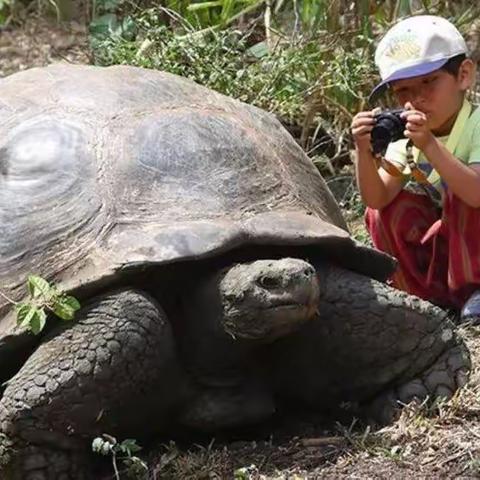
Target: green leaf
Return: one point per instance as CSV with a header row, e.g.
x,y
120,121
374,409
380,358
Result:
x,y
104,25
5,4
65,307
30,316
24,313
129,446
97,444
241,473
201,6
39,287
127,28
37,323
403,8
259,50
111,4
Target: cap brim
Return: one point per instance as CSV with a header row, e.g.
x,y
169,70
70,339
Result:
x,y
413,71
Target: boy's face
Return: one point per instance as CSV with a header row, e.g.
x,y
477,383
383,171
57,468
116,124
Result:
x,y
438,94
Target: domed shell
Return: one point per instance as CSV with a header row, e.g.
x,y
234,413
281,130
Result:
x,y
107,168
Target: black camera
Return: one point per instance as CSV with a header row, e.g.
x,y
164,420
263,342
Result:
x,y
389,127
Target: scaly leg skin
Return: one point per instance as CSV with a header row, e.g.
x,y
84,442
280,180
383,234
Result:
x,y
447,374
368,338
113,371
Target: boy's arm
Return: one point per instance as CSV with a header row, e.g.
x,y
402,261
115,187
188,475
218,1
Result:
x,y
377,188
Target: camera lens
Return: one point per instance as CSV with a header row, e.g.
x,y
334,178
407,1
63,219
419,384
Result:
x,y
380,138
389,127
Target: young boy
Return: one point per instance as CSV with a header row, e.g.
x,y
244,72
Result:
x,y
423,196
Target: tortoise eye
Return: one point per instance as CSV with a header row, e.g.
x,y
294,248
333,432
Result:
x,y
234,297
268,282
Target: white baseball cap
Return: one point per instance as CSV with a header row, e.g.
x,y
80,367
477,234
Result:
x,y
416,46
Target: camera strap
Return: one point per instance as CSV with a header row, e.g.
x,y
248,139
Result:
x,y
451,145
421,177
412,163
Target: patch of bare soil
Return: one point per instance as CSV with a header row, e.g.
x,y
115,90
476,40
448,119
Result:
x,y
38,42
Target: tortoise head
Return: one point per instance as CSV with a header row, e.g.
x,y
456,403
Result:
x,y
267,299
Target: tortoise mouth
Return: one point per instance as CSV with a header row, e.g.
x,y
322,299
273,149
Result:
x,y
287,307
293,314
273,322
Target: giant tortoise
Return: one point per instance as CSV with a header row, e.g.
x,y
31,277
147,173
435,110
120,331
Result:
x,y
216,274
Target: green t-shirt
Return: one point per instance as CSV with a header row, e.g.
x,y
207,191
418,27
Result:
x,y
467,150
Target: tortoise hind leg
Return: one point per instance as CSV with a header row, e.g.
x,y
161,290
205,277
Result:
x,y
441,380
110,372
367,339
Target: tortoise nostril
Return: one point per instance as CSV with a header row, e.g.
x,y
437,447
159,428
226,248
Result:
x,y
309,272
268,282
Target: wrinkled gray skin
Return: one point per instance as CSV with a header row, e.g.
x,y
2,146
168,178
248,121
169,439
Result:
x,y
216,274
267,299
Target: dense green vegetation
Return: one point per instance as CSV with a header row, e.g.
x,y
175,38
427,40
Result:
x,y
310,62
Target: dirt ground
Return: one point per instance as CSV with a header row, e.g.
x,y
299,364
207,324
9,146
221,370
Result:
x,y
38,42
419,445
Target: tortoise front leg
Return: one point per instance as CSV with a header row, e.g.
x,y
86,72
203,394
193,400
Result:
x,y
113,371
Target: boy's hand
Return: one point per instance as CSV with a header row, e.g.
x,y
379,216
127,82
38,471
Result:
x,y
416,128
362,125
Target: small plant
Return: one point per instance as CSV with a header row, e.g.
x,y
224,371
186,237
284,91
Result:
x,y
474,466
245,473
124,451
5,7
108,22
43,297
